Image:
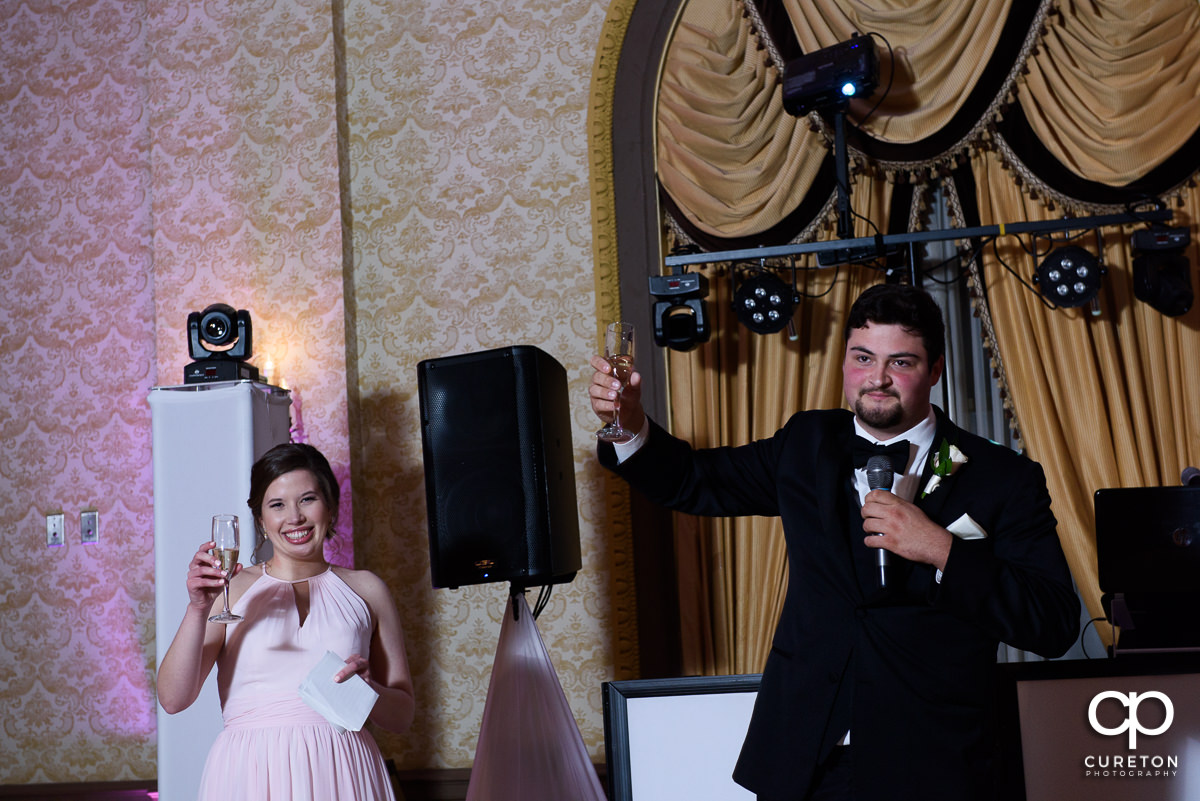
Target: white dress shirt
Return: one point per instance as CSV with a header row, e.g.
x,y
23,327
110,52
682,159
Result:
x,y
920,440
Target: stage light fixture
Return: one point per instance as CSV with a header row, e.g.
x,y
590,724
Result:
x,y
220,339
829,77
1162,274
1069,276
680,312
764,303
825,81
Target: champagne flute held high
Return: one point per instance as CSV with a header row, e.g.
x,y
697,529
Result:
x,y
618,350
226,538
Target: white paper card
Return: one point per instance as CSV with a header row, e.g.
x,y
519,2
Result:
x,y
345,705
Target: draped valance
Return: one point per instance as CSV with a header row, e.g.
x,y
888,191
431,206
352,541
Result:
x,y
1090,106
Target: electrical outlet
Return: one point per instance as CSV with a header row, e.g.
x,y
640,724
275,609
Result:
x,y
55,525
89,526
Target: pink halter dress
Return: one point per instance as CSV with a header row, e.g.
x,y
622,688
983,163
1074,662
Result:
x,y
274,747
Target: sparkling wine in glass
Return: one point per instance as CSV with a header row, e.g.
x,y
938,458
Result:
x,y
618,349
225,536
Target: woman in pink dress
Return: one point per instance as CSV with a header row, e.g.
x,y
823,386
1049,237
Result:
x,y
295,607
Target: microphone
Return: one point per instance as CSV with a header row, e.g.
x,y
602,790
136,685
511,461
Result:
x,y
879,476
1190,477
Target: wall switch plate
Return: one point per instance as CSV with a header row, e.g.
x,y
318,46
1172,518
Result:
x,y
89,526
55,525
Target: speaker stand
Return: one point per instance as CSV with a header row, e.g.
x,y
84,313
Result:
x,y
515,590
529,744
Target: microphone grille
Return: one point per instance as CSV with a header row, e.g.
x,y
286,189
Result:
x,y
879,473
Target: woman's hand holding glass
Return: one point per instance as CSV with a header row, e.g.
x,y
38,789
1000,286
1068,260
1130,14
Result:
x,y
207,578
226,539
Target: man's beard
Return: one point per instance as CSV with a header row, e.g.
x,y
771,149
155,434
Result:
x,y
881,418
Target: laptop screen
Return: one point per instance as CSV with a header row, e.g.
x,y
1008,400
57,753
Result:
x,y
1148,539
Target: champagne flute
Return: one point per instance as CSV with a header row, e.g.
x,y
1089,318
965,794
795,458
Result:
x,y
618,349
225,536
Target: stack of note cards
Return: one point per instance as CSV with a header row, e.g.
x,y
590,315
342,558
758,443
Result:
x,y
345,705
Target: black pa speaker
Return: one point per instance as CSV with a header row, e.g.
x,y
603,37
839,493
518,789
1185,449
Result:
x,y
499,468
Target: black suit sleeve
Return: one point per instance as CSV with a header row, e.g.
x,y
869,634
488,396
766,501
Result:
x,y
715,482
1015,584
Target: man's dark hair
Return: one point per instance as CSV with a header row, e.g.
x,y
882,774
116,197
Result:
x,y
903,305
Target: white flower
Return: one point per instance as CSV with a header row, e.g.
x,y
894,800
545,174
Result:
x,y
946,459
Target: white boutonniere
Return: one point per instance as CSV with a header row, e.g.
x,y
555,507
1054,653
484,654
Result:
x,y
946,459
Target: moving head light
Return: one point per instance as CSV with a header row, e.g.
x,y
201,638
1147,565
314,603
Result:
x,y
1162,273
831,76
680,313
219,342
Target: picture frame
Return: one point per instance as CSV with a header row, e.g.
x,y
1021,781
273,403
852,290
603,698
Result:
x,y
677,739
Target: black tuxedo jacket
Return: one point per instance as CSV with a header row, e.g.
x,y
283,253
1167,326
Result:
x,y
909,671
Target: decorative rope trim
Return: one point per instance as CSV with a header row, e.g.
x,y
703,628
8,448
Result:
x,y
758,29
676,236
1039,190
985,126
826,219
979,305
917,209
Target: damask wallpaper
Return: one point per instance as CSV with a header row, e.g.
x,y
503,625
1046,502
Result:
x,y
378,182
471,230
77,339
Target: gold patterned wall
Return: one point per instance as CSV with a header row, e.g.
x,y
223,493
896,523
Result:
x,y
246,200
467,143
157,157
77,343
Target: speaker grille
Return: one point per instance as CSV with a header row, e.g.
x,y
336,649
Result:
x,y
495,430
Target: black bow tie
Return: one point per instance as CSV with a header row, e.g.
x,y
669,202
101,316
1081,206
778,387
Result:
x,y
897,453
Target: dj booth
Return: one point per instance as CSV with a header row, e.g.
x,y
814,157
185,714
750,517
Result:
x,y
1126,726
1123,726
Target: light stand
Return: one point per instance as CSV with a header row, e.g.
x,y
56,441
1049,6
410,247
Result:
x,y
530,746
845,228
825,81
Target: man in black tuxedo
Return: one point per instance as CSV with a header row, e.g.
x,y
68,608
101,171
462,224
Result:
x,y
876,692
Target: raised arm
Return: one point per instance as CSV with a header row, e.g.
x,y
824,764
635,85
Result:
x,y
194,650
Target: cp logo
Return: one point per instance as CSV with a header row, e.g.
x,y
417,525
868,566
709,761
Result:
x,y
1131,723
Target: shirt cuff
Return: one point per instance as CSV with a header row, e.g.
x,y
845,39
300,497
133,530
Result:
x,y
631,446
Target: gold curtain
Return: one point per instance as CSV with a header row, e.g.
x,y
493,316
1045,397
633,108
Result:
x,y
731,157
736,163
1048,106
1101,401
1112,91
1107,400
